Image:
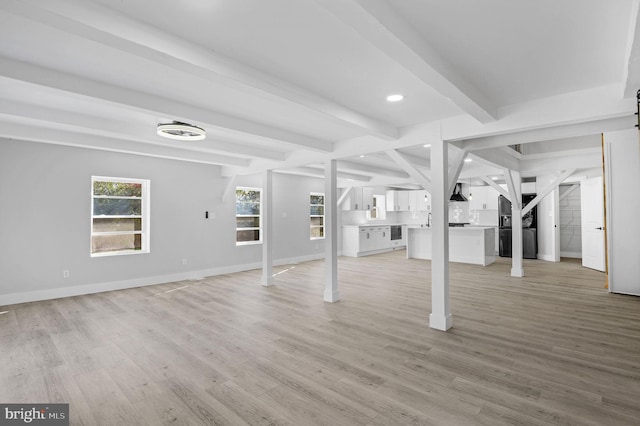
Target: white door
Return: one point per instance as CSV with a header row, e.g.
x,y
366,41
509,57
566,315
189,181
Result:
x,y
592,212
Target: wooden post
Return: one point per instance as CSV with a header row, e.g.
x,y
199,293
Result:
x,y
267,228
440,317
331,293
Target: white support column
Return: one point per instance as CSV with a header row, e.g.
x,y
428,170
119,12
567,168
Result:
x,y
456,169
267,228
514,183
440,317
331,293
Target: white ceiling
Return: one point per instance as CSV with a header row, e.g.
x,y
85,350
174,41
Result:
x,y
288,84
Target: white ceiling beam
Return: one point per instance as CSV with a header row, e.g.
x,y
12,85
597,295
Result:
x,y
631,67
497,187
344,195
102,143
455,168
582,106
514,181
568,191
377,22
541,194
373,170
43,116
408,167
315,172
574,159
115,30
548,133
498,158
139,101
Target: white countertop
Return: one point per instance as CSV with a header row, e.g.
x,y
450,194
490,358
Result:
x,y
368,225
461,228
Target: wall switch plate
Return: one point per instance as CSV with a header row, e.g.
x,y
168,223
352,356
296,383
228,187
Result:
x,y
65,273
184,261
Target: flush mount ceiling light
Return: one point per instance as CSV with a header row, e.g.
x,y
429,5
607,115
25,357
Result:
x,y
181,131
468,160
426,145
395,98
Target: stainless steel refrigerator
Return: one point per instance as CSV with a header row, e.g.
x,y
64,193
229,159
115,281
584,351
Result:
x,y
529,228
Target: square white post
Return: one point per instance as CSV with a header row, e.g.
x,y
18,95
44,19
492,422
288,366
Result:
x,y
267,228
331,293
440,317
515,187
517,270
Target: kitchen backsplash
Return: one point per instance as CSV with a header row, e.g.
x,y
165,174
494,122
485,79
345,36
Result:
x,y
483,217
457,213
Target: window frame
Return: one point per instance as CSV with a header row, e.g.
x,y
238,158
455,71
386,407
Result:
x,y
259,216
144,216
311,216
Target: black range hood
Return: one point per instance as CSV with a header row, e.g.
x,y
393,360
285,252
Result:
x,y
457,193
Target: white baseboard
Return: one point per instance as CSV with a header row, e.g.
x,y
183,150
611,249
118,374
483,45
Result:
x,y
79,290
572,254
547,257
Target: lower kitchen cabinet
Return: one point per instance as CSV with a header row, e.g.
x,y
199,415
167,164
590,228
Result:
x,y
365,240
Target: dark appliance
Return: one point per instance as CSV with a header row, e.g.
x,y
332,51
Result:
x,y
457,193
529,228
396,232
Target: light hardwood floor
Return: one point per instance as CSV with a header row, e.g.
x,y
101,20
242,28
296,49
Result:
x,y
551,348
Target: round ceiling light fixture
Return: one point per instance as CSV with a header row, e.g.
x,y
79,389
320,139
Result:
x,y
395,98
181,131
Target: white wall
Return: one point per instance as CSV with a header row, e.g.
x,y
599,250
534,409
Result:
x,y
45,222
571,225
548,233
622,179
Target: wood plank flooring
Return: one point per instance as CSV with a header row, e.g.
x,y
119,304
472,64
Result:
x,y
551,348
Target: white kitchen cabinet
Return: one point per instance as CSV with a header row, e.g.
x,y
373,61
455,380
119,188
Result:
x,y
397,201
392,201
366,240
403,201
360,198
528,187
367,198
483,198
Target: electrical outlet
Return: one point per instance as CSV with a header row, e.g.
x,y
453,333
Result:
x,y
184,261
65,273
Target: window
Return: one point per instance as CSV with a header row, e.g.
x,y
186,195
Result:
x,y
316,214
248,217
119,216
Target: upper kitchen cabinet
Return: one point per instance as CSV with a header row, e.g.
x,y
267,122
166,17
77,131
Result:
x,y
360,198
401,201
483,198
397,201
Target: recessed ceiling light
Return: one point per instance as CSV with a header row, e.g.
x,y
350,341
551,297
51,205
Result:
x,y
426,145
494,178
395,98
468,160
181,131
362,156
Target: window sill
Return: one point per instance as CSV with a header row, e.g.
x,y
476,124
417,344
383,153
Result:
x,y
120,253
247,243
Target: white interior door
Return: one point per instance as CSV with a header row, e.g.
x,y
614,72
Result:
x,y
592,213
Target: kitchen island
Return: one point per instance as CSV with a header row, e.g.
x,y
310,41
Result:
x,y
474,244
